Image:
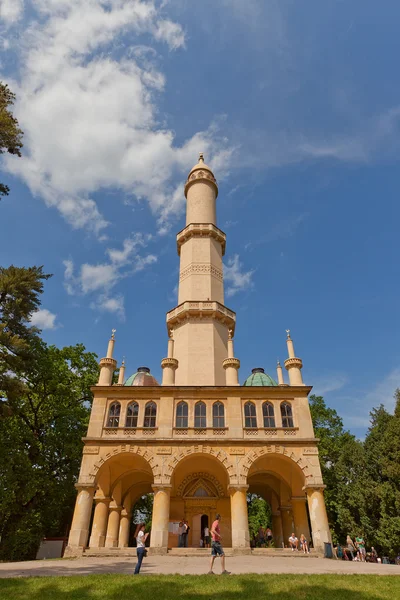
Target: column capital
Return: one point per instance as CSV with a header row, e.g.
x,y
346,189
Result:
x,y
287,508
237,487
99,499
115,508
89,487
161,487
125,513
298,498
314,487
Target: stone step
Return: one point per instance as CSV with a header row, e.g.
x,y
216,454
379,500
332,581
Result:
x,y
267,552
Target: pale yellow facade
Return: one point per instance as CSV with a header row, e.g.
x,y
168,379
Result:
x,y
190,442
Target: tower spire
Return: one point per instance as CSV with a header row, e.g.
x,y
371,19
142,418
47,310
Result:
x,y
108,364
293,365
201,321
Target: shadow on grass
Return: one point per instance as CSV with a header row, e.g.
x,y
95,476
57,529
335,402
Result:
x,y
203,587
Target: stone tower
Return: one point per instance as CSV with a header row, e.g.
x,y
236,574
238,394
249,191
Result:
x,y
200,442
201,322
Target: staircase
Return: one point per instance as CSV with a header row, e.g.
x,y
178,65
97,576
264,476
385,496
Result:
x,y
204,552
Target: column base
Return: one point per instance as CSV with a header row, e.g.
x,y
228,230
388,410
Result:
x,y
158,551
73,552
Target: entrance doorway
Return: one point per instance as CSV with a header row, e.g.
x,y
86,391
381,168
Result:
x,y
198,523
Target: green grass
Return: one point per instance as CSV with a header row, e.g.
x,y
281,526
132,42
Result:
x,y
202,587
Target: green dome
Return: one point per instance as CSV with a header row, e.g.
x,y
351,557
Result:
x,y
258,377
142,377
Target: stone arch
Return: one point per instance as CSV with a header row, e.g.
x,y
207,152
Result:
x,y
250,458
216,453
200,475
151,459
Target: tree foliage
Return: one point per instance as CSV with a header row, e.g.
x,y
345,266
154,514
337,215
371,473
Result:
x,y
259,512
10,133
45,399
362,477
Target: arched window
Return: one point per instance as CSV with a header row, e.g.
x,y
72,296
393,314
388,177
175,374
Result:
x,y
132,414
218,415
150,413
287,415
268,414
250,417
113,415
181,414
200,419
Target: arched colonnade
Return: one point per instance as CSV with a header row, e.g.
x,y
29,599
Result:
x,y
195,483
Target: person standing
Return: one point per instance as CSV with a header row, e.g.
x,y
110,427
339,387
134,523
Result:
x,y
268,536
261,537
140,547
360,544
180,531
216,547
185,532
350,546
206,537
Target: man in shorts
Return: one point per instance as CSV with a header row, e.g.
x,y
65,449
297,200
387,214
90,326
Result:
x,y
216,548
361,547
293,542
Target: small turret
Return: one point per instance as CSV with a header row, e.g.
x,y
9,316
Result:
x,y
293,365
108,364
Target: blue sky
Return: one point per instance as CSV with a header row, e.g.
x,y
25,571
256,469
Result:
x,y
297,109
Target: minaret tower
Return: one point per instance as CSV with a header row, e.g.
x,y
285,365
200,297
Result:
x,y
201,322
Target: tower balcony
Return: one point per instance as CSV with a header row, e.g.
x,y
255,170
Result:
x,y
213,310
201,230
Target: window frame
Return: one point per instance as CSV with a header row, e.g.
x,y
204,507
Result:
x,y
202,417
268,417
182,420
217,419
250,420
150,421
132,405
113,418
287,415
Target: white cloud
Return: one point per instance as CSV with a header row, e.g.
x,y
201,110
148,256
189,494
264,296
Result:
x,y
328,383
237,279
100,279
44,319
363,403
11,10
88,105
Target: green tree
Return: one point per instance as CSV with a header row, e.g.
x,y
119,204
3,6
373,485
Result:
x,y
10,133
41,447
20,291
259,513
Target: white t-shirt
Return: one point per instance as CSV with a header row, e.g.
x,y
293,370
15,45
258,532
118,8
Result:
x,y
140,540
206,531
292,539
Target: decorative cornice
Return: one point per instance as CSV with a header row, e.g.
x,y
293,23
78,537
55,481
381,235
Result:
x,y
293,362
213,310
200,230
172,363
199,175
201,269
231,362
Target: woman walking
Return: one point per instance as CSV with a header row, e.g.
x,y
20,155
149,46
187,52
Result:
x,y
140,546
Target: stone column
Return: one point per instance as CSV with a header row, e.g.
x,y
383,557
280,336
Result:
x,y
287,522
318,517
160,519
113,527
99,526
300,517
239,516
124,529
277,530
79,533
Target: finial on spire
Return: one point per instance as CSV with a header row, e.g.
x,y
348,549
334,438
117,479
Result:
x,y
113,332
171,334
123,361
278,364
288,334
230,334
201,157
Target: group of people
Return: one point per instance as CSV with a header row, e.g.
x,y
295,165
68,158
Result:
x,y
356,549
183,532
264,538
294,543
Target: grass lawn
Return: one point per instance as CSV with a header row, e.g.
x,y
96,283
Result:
x,y
202,587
